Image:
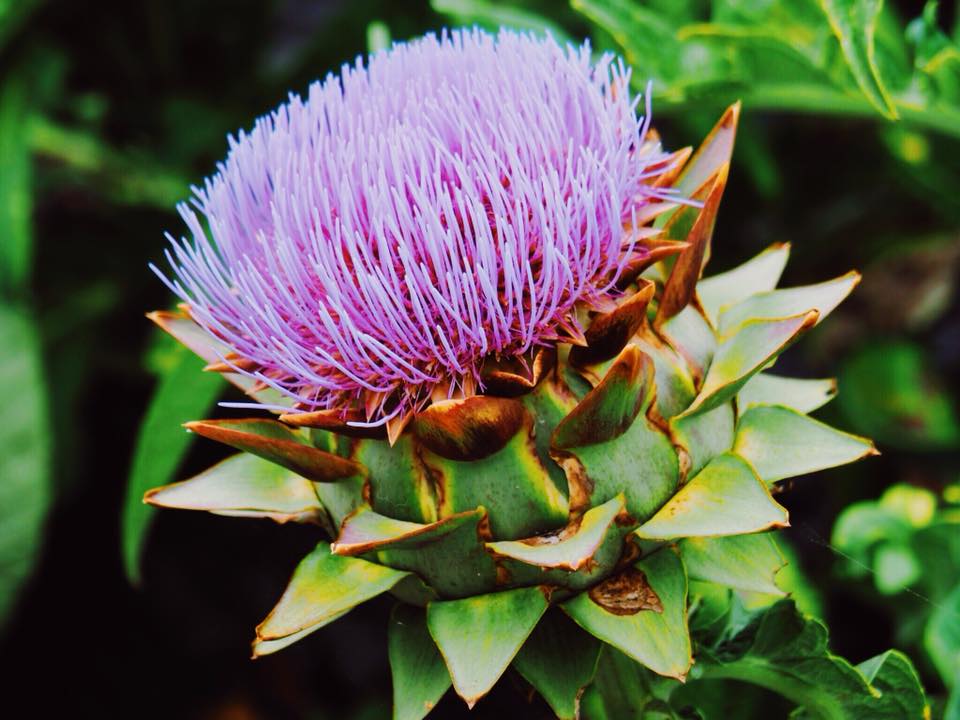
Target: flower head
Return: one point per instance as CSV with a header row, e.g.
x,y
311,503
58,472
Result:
x,y
450,201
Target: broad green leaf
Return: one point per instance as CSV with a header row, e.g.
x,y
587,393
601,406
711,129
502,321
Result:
x,y
941,639
725,498
419,676
759,274
243,484
743,562
653,631
802,395
479,636
559,660
786,652
894,677
746,352
822,297
915,409
569,550
324,585
16,203
183,392
854,23
24,453
781,443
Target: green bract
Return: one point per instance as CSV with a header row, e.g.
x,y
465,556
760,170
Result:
x,y
571,504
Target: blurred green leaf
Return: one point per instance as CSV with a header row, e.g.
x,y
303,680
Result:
x,y
942,639
13,13
952,710
647,39
24,452
378,36
860,527
896,567
16,203
494,15
854,22
913,412
935,54
183,392
124,179
876,537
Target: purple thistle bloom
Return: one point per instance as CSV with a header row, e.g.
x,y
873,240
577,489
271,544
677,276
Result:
x,y
450,201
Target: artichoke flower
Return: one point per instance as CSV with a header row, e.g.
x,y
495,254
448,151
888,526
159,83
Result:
x,y
465,279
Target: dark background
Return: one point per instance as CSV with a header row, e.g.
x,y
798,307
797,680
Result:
x,y
149,90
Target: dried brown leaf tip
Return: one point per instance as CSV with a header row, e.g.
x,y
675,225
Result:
x,y
681,285
515,376
277,443
626,593
336,421
610,408
610,332
470,428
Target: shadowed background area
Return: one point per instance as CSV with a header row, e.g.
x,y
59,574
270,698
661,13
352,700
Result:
x,y
110,110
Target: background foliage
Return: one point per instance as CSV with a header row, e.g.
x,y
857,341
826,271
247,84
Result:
x,y
849,149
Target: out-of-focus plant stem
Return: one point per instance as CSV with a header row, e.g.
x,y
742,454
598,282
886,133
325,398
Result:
x,y
124,178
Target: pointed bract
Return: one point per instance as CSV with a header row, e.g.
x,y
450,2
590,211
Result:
x,y
323,586
656,637
725,498
243,483
277,443
479,636
782,443
419,676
